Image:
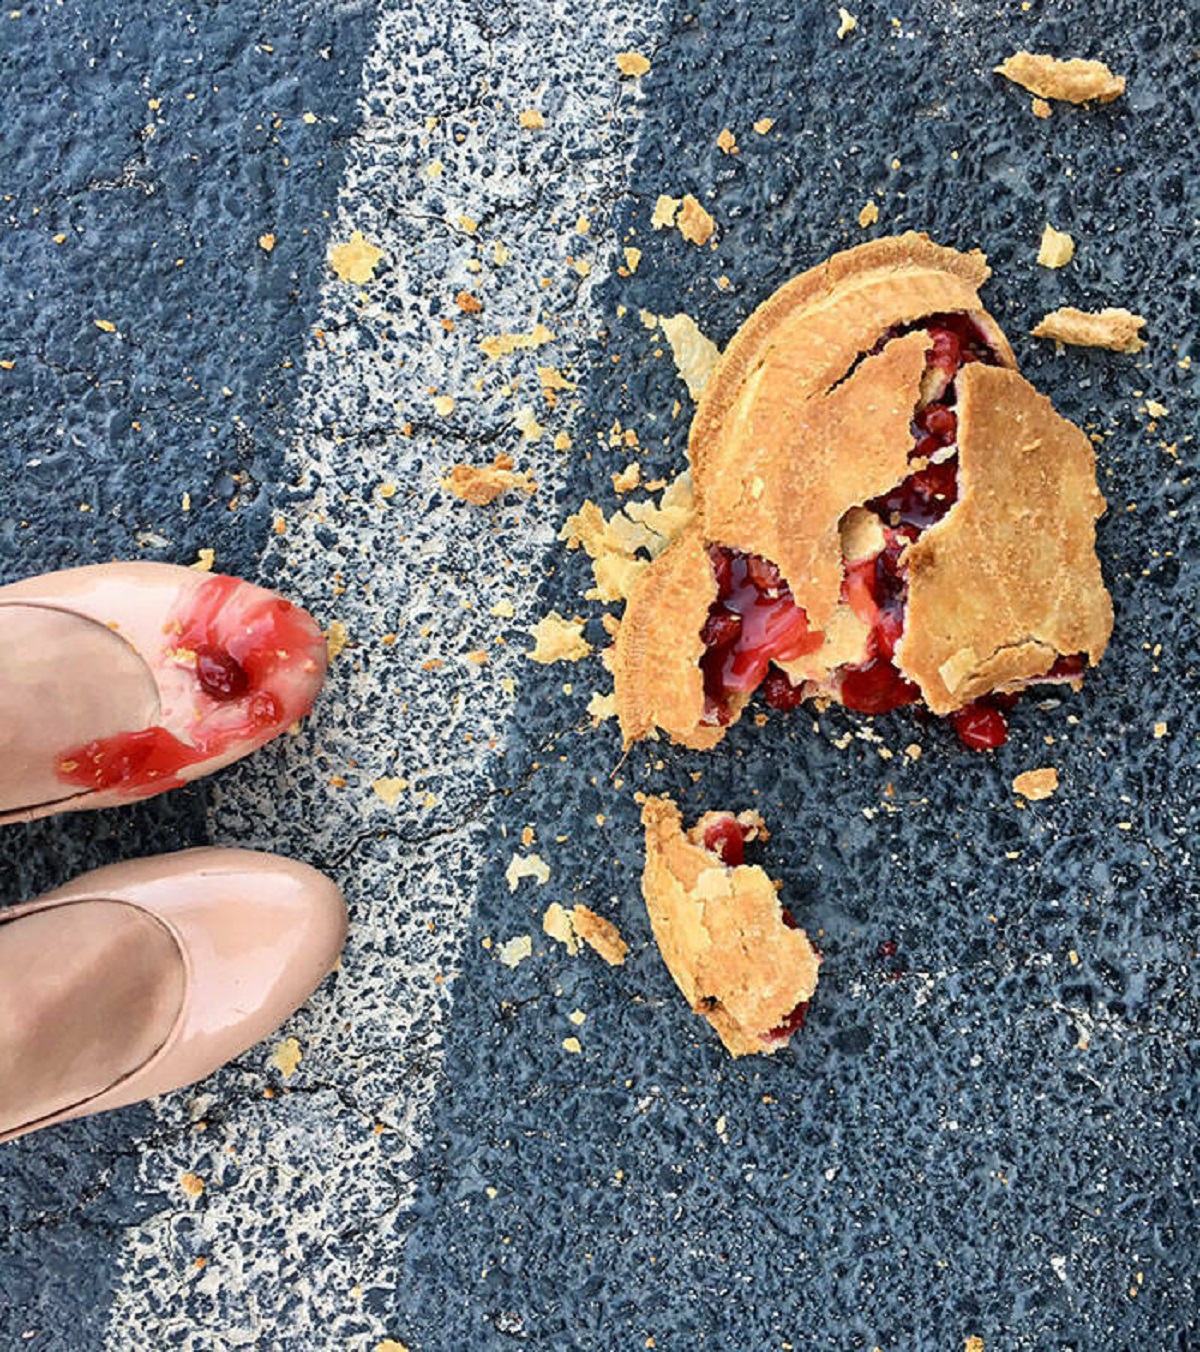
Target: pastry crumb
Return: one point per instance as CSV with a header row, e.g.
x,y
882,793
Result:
x,y
558,924
847,23
1115,329
388,788
1072,81
666,208
1056,249
1036,784
557,639
602,707
512,952
632,258
286,1057
695,354
336,639
764,125
526,866
192,1184
483,484
501,344
869,214
600,935
356,260
1160,730
531,119
695,224
205,558
1040,108
626,480
572,1045
727,141
632,63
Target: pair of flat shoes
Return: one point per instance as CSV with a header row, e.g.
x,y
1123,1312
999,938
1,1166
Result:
x,y
118,682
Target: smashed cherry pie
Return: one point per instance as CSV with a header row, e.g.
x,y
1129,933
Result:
x,y
735,952
887,514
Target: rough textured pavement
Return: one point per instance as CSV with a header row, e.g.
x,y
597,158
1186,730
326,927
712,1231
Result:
x,y
990,1133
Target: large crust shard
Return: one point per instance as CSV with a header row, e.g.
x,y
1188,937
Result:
x,y
805,338
802,463
656,659
1116,329
1009,579
1073,80
722,935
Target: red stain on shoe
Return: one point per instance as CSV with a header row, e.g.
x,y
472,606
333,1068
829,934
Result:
x,y
251,654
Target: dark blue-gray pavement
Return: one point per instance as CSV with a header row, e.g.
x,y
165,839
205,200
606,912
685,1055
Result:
x,y
988,1127
144,151
993,1131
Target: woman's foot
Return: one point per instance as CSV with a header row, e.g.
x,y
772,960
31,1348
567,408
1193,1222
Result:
x,y
122,680
142,977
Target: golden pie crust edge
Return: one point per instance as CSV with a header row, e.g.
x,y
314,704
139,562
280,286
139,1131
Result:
x,y
721,933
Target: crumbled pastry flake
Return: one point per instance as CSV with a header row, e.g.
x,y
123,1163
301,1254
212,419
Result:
x,y
727,142
695,354
1040,108
847,23
336,639
632,63
1056,249
602,707
600,935
205,558
626,480
723,935
512,952
356,260
666,208
192,1184
558,924
526,866
388,788
501,344
1036,784
532,119
1116,329
558,640
869,214
695,223
764,125
483,484
286,1057
1072,81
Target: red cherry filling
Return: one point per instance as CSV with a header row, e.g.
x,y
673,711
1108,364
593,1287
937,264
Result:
x,y
723,836
752,623
220,674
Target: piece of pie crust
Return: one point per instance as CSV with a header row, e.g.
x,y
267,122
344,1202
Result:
x,y
730,945
886,514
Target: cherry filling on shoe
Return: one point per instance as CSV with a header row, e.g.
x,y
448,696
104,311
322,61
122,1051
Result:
x,y
239,643
755,626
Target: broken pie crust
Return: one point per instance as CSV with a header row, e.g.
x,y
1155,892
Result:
x,y
806,418
722,934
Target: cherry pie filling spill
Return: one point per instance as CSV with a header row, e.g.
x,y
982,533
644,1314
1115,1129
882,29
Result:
x,y
725,837
755,623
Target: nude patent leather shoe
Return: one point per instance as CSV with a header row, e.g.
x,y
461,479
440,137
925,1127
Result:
x,y
121,680
142,977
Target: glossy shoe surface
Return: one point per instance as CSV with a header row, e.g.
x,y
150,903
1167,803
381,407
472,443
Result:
x,y
140,978
122,680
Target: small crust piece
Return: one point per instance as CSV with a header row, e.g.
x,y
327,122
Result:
x,y
981,613
1073,81
723,937
656,659
1115,329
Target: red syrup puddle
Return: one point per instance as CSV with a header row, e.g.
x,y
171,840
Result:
x,y
725,838
241,651
754,622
